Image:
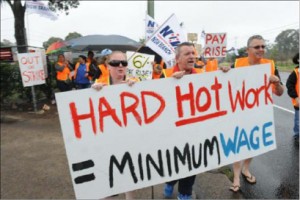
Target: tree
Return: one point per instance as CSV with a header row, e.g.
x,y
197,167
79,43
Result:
x,y
19,13
287,43
50,41
6,42
72,36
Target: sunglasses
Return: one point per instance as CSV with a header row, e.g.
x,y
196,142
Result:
x,y
116,63
258,47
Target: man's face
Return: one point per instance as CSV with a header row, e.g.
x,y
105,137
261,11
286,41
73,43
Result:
x,y
256,49
186,58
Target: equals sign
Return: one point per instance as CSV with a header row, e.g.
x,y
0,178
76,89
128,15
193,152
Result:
x,y
80,166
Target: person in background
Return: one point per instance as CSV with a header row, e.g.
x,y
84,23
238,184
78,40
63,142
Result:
x,y
63,70
256,50
157,69
211,65
199,63
292,85
116,63
94,71
104,73
81,73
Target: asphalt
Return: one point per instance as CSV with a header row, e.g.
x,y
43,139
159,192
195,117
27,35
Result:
x,y
208,185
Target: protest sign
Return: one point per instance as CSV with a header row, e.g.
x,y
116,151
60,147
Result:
x,y
166,38
215,45
150,26
31,68
124,138
139,65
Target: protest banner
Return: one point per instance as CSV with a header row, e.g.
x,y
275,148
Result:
x,y
150,26
44,60
124,138
31,68
38,7
139,65
215,45
166,38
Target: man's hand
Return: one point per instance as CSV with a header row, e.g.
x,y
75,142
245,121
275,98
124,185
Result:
x,y
98,86
178,75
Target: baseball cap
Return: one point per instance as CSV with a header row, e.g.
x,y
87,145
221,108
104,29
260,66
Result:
x,y
106,52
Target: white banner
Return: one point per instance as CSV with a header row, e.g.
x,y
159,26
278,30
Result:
x,y
165,40
215,45
40,8
124,138
150,26
31,68
140,65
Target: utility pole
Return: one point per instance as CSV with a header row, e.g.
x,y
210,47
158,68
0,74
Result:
x,y
150,8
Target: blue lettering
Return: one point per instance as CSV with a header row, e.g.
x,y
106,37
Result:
x,y
243,142
175,44
166,31
230,145
267,134
151,24
254,145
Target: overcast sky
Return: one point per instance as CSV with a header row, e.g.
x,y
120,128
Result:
x,y
239,19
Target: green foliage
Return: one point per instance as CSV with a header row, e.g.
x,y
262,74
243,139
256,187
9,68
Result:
x,y
72,36
287,43
63,6
50,41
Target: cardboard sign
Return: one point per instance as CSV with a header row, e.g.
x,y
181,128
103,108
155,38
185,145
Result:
x,y
139,65
215,45
124,138
31,67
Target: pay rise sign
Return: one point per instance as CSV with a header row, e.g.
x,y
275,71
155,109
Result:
x,y
124,138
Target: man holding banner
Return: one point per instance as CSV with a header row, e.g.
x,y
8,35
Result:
x,y
255,49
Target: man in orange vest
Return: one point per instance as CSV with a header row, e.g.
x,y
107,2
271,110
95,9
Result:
x,y
292,85
256,50
185,60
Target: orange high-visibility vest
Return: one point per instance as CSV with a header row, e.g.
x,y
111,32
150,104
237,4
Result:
x,y
168,72
63,75
104,77
211,65
243,62
296,86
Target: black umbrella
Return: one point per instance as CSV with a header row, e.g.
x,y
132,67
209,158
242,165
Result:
x,y
100,42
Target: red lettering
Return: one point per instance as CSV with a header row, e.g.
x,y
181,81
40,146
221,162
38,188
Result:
x,y
206,106
186,97
26,76
217,51
158,111
108,112
131,108
215,39
222,38
200,118
223,51
216,87
207,52
255,98
239,97
76,118
267,85
207,38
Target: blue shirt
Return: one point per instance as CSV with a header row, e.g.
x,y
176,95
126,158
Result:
x,y
80,76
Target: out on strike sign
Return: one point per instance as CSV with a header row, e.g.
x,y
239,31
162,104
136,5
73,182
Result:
x,y
31,68
124,138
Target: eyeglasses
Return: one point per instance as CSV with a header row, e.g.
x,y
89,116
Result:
x,y
116,63
258,47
